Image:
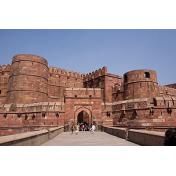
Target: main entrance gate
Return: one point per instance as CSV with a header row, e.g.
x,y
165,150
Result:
x,y
83,115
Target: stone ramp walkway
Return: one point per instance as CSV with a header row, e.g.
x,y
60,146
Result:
x,y
87,139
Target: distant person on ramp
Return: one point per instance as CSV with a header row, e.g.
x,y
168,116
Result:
x,y
77,129
93,128
72,128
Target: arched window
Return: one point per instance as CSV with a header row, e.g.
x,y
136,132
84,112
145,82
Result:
x,y
147,75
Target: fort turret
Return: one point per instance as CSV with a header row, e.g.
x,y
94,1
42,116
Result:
x,y
28,82
140,84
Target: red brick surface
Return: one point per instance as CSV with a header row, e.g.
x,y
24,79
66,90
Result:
x,y
34,95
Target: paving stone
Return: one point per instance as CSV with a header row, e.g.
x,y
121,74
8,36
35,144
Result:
x,y
87,139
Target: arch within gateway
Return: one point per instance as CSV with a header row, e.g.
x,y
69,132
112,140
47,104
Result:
x,y
83,115
35,94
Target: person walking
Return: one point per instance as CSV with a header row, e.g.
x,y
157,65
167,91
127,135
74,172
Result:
x,y
93,128
72,128
77,129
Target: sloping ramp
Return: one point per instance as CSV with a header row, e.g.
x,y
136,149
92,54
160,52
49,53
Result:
x,y
87,139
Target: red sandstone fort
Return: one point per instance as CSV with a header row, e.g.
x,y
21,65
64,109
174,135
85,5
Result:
x,y
36,96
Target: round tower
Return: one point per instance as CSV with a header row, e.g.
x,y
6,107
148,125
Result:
x,y
28,82
140,84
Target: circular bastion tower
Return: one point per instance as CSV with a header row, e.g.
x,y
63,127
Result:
x,y
140,84
28,82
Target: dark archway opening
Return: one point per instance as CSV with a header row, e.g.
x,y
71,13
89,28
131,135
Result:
x,y
83,121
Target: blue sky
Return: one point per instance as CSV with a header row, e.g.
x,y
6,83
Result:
x,y
88,50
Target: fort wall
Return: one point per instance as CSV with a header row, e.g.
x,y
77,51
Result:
x,y
28,81
83,99
171,85
167,91
4,78
59,79
33,94
104,80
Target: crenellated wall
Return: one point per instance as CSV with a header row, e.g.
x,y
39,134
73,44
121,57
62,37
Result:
x,y
104,80
59,79
95,74
167,91
171,85
4,78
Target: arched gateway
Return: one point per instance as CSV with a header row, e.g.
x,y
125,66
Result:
x,y
83,115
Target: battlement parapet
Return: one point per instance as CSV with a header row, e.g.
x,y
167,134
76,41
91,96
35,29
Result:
x,y
5,69
95,74
171,85
167,91
63,72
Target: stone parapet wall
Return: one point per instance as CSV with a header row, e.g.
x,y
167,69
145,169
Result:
x,y
146,138
119,132
34,138
141,137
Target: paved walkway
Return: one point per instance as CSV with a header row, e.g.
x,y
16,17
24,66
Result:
x,y
87,139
